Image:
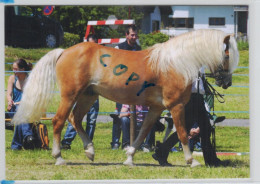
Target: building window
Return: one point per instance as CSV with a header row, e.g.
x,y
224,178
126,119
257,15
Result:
x,y
213,21
183,22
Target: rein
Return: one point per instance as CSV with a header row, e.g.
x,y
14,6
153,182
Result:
x,y
210,92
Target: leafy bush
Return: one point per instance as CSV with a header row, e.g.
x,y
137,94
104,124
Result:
x,y
70,39
148,40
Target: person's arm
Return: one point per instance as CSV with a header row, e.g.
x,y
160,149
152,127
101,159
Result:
x,y
124,112
10,92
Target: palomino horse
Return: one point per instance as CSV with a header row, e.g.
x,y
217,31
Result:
x,y
159,77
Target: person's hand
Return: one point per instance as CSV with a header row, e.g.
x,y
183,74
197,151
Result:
x,y
10,104
194,132
124,114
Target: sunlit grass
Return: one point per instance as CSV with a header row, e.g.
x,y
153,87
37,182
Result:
x,y
39,164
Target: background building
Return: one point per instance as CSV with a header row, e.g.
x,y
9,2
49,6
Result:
x,y
175,20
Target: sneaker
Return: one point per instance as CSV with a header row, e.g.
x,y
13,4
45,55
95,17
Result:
x,y
161,161
174,149
146,150
115,146
65,147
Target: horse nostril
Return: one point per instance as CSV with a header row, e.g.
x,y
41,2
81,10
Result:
x,y
225,87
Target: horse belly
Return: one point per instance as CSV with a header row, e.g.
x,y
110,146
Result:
x,y
129,95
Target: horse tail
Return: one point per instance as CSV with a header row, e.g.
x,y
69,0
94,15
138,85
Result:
x,y
38,90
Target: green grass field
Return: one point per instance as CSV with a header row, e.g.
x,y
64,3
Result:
x,y
39,164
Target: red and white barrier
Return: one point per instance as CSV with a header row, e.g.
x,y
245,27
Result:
x,y
110,22
107,22
111,40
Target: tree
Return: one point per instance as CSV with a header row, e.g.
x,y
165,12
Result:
x,y
74,18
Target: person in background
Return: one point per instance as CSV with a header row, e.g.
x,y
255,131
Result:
x,y
23,134
195,112
91,116
129,44
124,116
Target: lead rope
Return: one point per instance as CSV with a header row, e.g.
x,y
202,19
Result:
x,y
198,105
220,98
213,130
214,92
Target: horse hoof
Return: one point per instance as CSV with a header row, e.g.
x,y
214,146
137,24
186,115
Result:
x,y
130,150
90,155
60,161
195,163
128,163
89,151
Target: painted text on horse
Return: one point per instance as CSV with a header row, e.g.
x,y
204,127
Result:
x,y
133,77
122,69
145,85
101,59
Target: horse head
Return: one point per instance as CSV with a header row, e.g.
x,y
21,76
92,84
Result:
x,y
223,73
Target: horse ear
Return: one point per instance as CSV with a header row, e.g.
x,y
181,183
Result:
x,y
226,39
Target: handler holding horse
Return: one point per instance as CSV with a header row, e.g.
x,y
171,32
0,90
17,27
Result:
x,y
159,77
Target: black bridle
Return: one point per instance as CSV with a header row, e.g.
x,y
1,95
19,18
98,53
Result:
x,y
221,75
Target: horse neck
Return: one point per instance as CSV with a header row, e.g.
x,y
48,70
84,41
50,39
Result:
x,y
187,53
196,52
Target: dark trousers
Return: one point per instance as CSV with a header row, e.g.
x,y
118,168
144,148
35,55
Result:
x,y
195,112
149,140
20,132
116,130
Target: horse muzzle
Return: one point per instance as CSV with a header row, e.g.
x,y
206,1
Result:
x,y
224,81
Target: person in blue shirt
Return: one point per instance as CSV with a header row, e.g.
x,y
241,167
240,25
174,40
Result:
x,y
91,116
23,134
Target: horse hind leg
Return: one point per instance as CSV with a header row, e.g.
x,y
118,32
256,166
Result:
x,y
179,122
147,125
80,110
58,124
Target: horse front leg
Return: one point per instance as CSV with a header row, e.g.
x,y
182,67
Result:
x,y
147,125
178,115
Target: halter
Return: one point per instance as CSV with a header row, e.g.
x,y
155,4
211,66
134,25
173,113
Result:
x,y
222,75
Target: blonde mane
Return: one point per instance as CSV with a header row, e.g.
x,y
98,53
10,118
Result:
x,y
187,53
